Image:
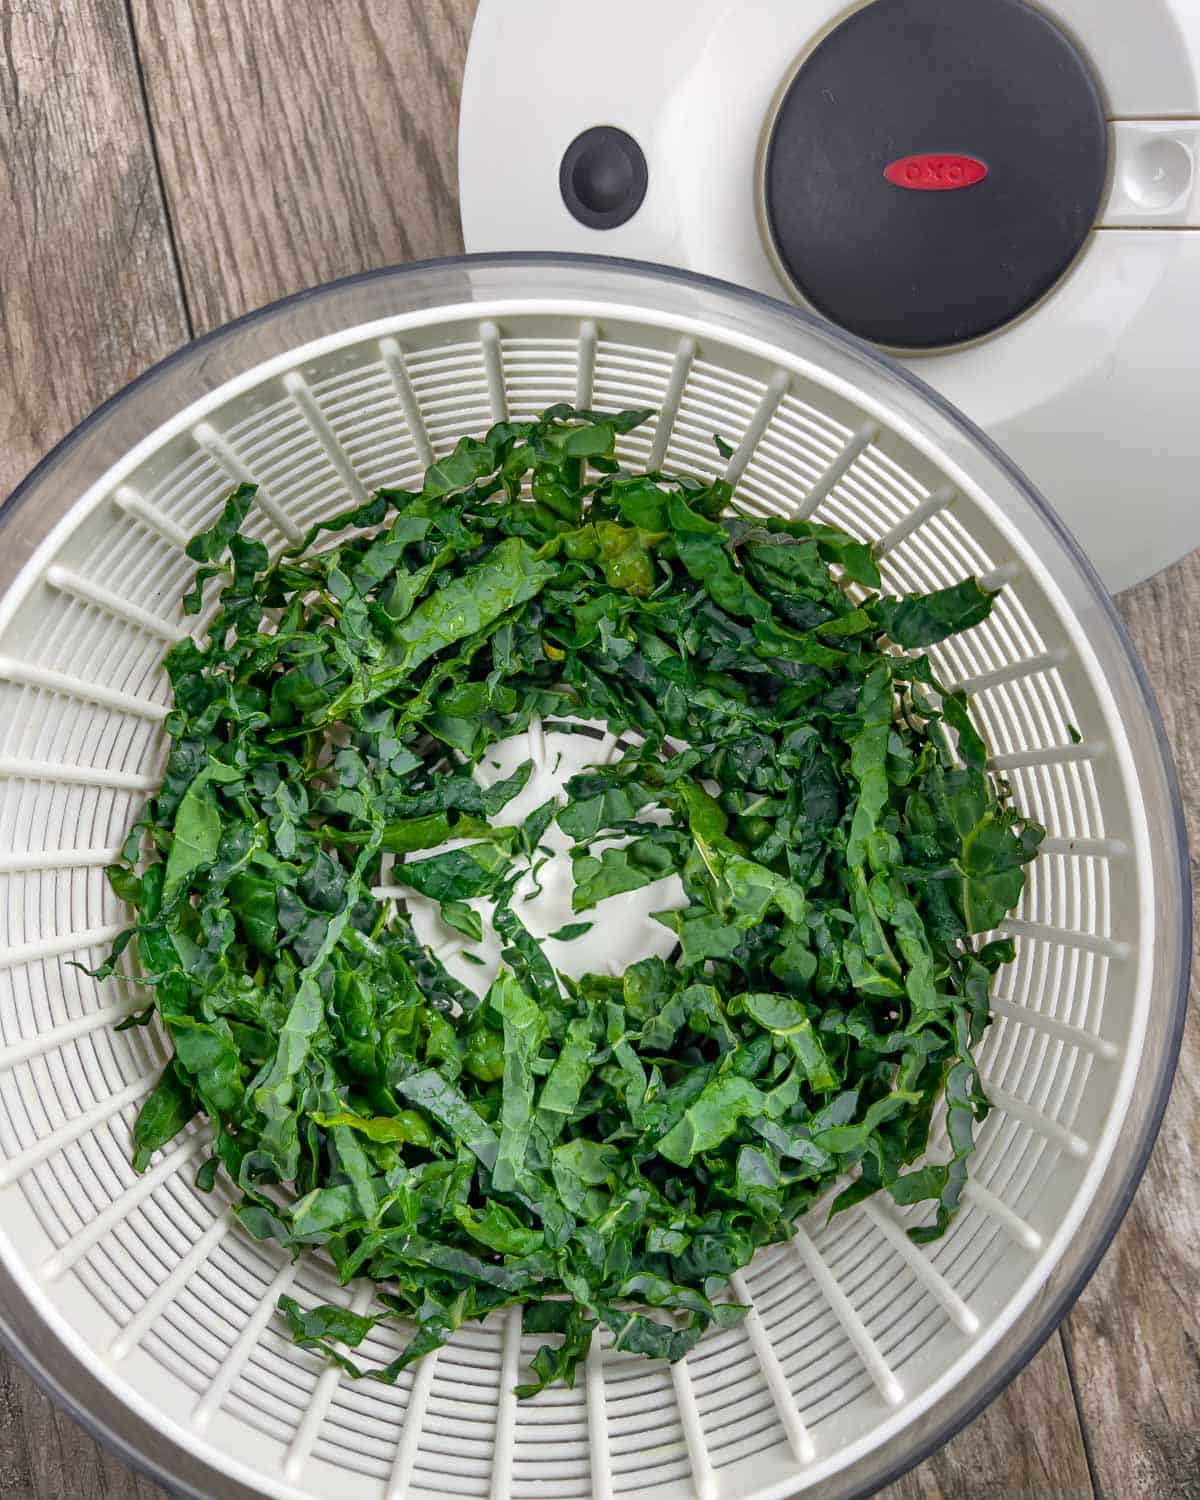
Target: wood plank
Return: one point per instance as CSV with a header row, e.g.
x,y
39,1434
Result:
x,y
88,296
45,1455
1025,1446
1134,1336
303,142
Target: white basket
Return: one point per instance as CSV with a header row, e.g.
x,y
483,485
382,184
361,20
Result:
x,y
137,1299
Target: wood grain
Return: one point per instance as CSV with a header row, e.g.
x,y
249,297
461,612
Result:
x,y
303,141
300,140
89,292
1134,1337
88,298
1026,1446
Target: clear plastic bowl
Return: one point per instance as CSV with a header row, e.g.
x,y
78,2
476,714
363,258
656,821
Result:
x,y
136,1304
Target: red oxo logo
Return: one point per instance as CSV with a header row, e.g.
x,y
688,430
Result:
x,y
932,172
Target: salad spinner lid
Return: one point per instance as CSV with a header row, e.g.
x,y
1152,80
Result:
x,y
805,151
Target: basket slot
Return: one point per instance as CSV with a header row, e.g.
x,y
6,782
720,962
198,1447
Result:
x,y
231,1366
1089,942
585,364
1084,848
928,1275
1012,671
1048,755
797,1434
597,1409
668,410
776,390
20,861
17,1166
704,1479
89,592
119,1209
101,776
306,1434
56,947
506,1412
223,453
1024,1234
1005,573
393,358
1060,1135
298,389
931,506
128,500
139,1325
69,1031
868,1351
27,674
857,444
489,341
1074,1036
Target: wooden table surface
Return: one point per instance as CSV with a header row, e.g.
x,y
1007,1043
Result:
x,y
166,165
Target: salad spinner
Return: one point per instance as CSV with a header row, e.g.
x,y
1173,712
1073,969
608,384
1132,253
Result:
x,y
142,1306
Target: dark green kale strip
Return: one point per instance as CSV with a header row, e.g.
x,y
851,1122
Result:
x,y
599,1150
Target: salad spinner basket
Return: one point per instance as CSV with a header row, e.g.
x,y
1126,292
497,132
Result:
x,y
141,1304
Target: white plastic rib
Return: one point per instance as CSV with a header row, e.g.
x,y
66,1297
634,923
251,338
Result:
x,y
1048,755
931,506
1088,942
1013,671
128,500
13,860
1074,1145
231,1366
165,1293
506,1407
301,1445
922,1268
856,444
16,1166
55,1037
536,735
685,353
26,673
393,359
102,776
297,388
798,1435
1085,848
585,372
55,947
66,581
777,388
597,1409
493,364
390,892
606,749
1005,573
1024,1234
95,1229
449,949
410,1432
703,1477
1074,1036
226,457
868,1351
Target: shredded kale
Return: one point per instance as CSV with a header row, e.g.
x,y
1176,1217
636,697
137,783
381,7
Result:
x,y
601,1150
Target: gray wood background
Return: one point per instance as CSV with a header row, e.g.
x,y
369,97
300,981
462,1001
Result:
x,y
166,165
